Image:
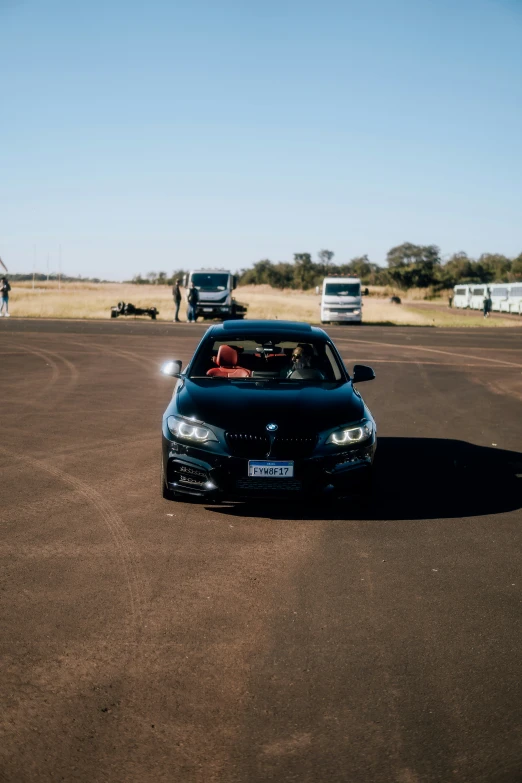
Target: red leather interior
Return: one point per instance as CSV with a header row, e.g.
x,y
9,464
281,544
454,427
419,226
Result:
x,y
227,364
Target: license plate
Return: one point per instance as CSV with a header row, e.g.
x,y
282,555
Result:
x,y
265,469
207,309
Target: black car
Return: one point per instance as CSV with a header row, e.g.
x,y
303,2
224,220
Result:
x,y
266,408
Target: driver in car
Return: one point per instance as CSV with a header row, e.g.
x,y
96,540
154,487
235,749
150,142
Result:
x,y
301,359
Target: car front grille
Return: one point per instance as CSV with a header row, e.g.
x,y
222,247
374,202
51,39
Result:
x,y
257,446
286,447
249,445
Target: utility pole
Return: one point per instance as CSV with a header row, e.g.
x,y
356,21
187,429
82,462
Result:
x,y
47,267
34,263
59,267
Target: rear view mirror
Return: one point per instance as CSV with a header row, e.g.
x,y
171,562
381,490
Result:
x,y
172,368
362,373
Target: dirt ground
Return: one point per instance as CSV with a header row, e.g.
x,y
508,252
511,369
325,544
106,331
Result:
x,y
147,640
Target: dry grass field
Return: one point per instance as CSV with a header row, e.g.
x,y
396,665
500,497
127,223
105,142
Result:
x,y
94,301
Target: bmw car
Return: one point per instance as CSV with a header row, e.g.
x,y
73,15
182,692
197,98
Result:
x,y
266,409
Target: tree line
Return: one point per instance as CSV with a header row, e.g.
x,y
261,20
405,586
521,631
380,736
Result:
x,y
407,266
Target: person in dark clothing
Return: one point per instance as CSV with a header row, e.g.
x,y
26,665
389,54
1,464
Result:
x,y
4,293
176,293
192,299
486,302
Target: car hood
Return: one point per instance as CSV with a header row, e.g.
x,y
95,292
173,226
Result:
x,y
244,405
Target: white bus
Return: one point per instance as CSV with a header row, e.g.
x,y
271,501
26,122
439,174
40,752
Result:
x,y
515,298
461,296
341,301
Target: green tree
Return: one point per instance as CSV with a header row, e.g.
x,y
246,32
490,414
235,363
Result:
x,y
496,266
413,266
304,270
325,259
459,268
516,268
407,253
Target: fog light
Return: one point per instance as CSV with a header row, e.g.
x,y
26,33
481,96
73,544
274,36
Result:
x,y
210,485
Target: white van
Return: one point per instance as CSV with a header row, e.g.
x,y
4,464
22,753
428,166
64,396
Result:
x,y
515,298
499,297
341,301
476,301
461,295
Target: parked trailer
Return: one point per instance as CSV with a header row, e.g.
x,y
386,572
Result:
x,y
461,296
499,297
515,298
476,301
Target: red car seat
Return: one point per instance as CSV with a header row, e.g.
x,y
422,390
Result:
x,y
227,364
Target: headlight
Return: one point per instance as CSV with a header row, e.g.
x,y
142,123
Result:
x,y
356,312
187,430
353,434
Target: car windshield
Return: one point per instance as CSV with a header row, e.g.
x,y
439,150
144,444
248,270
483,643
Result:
x,y
342,289
210,281
268,358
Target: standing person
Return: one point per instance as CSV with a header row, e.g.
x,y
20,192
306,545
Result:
x,y
450,300
176,293
192,299
486,302
4,291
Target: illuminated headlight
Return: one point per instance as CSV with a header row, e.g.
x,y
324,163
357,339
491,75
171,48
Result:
x,y
354,434
187,430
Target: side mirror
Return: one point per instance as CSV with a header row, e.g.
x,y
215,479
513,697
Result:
x,y
172,368
366,292
362,373
234,282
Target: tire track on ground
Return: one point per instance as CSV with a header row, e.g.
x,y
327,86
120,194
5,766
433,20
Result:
x,y
50,358
424,349
55,372
120,536
137,359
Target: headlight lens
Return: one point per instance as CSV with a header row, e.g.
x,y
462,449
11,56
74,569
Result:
x,y
354,434
186,430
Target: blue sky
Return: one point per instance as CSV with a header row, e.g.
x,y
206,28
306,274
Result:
x,y
163,135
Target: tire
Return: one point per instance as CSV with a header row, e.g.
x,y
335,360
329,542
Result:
x,y
153,316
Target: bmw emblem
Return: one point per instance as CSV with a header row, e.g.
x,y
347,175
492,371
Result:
x,y
272,427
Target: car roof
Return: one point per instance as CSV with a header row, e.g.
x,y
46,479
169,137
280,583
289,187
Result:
x,y
244,328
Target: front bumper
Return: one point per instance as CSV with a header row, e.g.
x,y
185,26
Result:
x,y
199,473
329,315
210,310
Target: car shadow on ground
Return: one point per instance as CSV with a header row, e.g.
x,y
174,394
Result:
x,y
415,478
